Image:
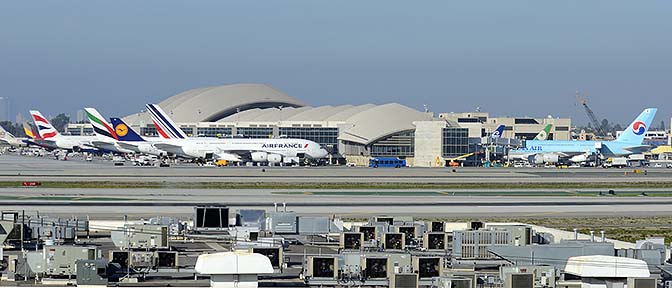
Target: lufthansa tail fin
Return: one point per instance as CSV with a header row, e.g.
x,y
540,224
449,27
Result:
x,y
44,128
635,132
543,134
100,126
499,131
125,132
164,125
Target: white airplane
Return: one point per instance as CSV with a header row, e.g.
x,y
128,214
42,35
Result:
x,y
50,136
9,139
285,150
107,137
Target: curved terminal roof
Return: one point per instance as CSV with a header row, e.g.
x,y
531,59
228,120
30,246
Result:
x,y
214,103
363,124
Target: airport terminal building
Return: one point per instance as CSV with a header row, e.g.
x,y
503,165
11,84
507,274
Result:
x,y
352,133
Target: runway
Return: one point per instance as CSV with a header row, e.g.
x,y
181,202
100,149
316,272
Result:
x,y
22,168
114,203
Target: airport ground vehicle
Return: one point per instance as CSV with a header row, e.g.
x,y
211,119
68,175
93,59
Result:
x,y
221,162
387,162
615,162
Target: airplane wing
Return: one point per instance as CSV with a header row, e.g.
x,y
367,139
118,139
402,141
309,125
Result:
x,y
637,149
228,156
128,146
103,145
168,147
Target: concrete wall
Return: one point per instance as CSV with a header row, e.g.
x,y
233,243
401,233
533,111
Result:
x,y
428,143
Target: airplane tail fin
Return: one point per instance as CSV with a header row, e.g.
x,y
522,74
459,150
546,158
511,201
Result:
x,y
164,125
100,126
498,132
125,132
4,134
543,134
44,128
29,131
634,133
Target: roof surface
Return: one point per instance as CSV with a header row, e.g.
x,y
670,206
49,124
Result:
x,y
363,124
238,262
600,266
213,103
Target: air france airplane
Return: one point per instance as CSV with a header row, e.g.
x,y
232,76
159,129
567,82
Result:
x,y
231,149
550,151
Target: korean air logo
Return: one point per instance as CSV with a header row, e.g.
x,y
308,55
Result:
x,y
638,127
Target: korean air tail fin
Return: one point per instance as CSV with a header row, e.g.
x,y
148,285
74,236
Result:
x,y
100,126
125,132
543,134
499,131
635,132
164,125
44,128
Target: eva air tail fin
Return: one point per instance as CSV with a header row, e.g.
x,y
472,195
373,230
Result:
x,y
543,134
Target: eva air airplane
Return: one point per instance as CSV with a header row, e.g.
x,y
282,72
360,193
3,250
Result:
x,y
553,151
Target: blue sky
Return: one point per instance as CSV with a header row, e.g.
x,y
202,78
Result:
x,y
508,57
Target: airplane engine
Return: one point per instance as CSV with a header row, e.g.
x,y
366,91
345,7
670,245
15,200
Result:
x,y
546,158
259,156
579,158
274,158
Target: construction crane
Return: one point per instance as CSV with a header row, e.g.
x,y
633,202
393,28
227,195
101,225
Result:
x,y
591,116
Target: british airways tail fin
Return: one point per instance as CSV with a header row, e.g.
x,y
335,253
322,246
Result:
x,y
499,131
634,133
543,134
125,132
44,128
100,126
164,125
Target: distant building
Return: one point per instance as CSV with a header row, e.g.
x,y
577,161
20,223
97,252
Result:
x,y
80,116
481,124
4,109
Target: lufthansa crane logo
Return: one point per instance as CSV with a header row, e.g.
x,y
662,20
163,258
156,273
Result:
x,y
121,130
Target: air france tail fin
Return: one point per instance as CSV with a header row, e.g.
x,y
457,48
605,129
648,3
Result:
x,y
634,133
499,131
100,126
44,128
125,132
164,125
543,134
29,131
